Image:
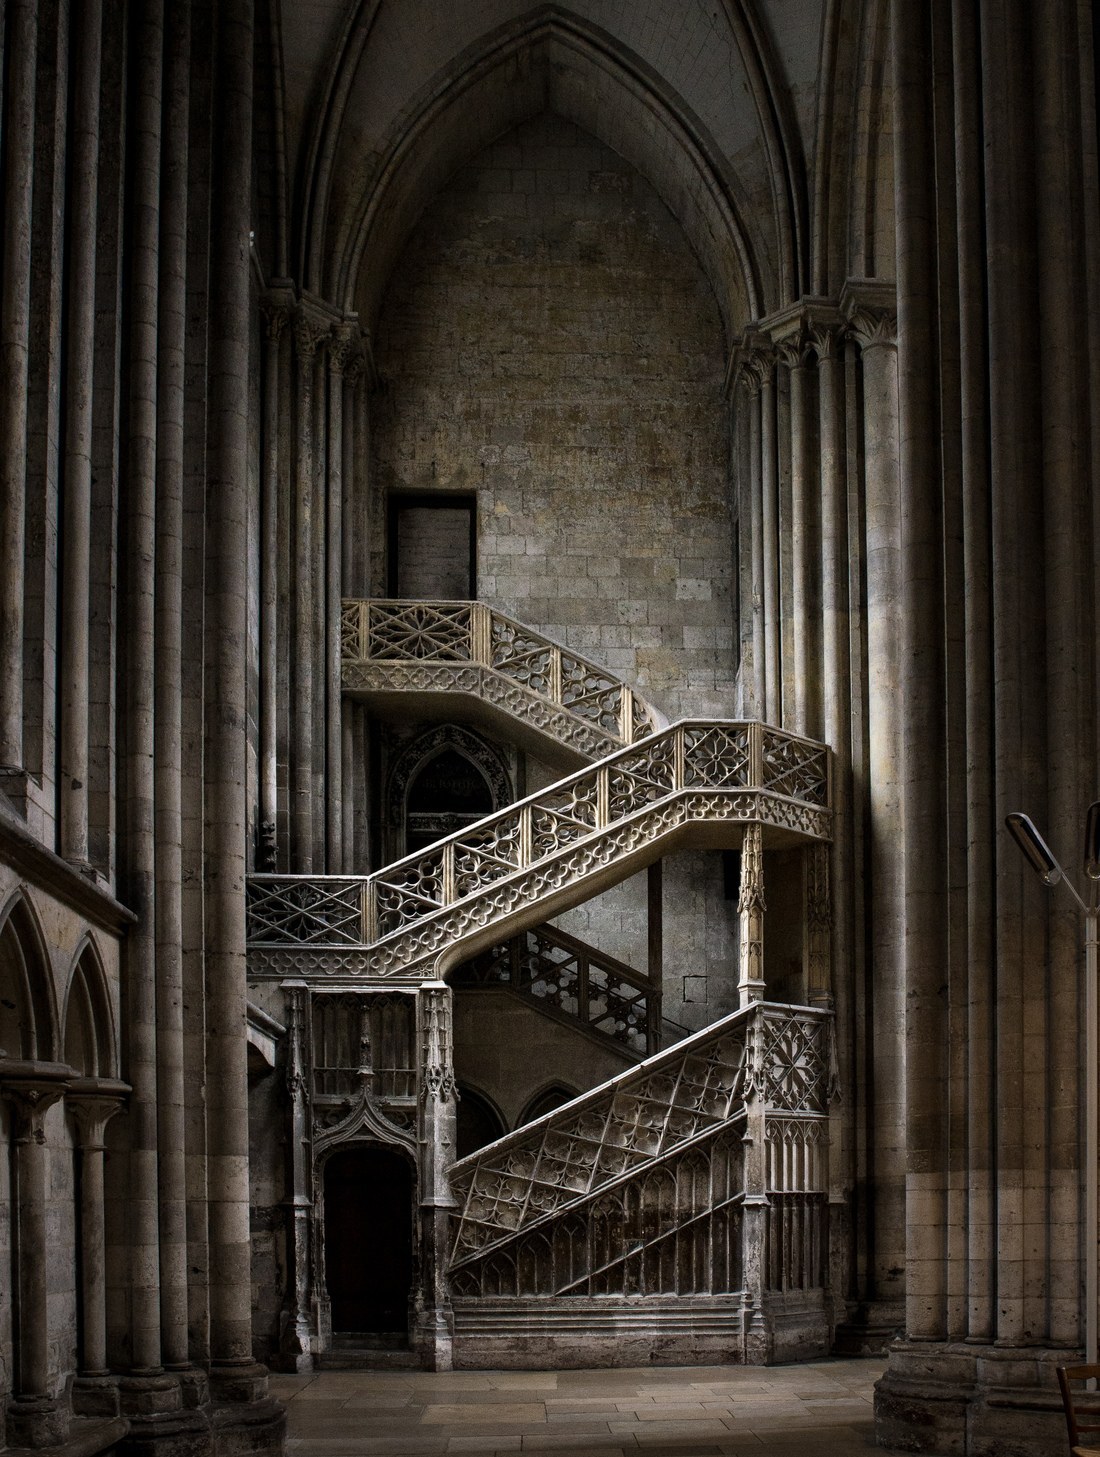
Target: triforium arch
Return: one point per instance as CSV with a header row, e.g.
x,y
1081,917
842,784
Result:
x,y
88,1035
28,1028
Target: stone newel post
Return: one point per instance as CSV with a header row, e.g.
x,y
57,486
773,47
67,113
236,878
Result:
x,y
434,1325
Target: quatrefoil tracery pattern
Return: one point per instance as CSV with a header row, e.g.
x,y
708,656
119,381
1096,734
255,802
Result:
x,y
624,1146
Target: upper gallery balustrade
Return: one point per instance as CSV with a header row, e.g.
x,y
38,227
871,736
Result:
x,y
469,649
699,781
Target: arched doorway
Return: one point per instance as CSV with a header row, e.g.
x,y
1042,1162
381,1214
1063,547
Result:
x,y
446,793
368,1240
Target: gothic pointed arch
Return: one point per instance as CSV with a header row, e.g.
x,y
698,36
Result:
x,y
359,215
87,1026
28,1013
446,753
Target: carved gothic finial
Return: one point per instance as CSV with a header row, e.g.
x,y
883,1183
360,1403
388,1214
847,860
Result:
x,y
295,1062
438,1067
751,896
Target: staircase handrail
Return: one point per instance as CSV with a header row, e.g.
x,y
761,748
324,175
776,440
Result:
x,y
783,1053
483,972
788,774
383,630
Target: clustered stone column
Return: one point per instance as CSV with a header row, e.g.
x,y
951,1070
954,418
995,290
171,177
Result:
x,y
34,1417
816,432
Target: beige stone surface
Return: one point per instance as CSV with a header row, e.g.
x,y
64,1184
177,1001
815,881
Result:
x,y
690,1412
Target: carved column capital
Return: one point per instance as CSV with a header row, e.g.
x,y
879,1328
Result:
x,y
277,309
344,349
753,362
871,313
310,332
32,1088
93,1102
824,341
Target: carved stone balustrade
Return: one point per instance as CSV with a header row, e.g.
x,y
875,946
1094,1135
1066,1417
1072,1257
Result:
x,y
468,651
699,782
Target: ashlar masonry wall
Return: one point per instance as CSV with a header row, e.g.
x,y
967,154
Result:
x,y
550,342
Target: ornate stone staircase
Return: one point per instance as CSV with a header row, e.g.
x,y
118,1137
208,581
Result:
x,y
698,782
678,1212
565,978
396,653
681,1208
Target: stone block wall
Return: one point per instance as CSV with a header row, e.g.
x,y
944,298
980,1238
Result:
x,y
550,343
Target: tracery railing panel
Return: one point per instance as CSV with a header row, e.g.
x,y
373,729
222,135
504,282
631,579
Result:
x,y
637,1187
795,1252
553,842
574,981
469,647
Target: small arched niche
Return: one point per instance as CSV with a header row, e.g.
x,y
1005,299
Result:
x,y
88,1042
546,1101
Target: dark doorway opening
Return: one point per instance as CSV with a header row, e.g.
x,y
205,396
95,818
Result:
x,y
368,1241
432,541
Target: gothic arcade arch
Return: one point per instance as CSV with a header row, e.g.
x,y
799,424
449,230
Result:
x,y
28,1015
87,1026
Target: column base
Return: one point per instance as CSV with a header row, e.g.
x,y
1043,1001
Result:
x,y
433,1339
249,1429
36,1421
241,1382
969,1400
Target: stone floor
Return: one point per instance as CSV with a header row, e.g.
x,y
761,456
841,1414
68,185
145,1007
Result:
x,y
822,1409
